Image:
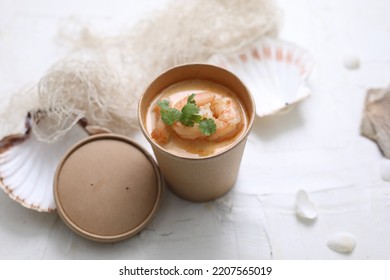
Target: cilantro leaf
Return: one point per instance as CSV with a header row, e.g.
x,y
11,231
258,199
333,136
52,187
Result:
x,y
190,99
190,115
163,104
207,126
168,115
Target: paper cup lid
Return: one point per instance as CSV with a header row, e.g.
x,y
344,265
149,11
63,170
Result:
x,y
107,188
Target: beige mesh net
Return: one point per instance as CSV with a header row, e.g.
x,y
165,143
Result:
x,y
103,76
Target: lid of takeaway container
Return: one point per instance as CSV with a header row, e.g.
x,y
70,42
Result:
x,y
107,188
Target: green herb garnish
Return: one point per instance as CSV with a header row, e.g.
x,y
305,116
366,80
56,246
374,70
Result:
x,y
188,116
207,126
168,115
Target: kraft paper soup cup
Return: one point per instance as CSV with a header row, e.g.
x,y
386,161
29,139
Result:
x,y
202,178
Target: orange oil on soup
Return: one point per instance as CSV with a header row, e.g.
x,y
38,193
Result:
x,y
194,147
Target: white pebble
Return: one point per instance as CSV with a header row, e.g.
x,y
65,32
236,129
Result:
x,y
304,207
385,169
342,242
351,62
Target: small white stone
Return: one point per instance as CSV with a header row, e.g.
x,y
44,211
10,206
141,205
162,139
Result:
x,y
385,169
342,242
304,207
351,62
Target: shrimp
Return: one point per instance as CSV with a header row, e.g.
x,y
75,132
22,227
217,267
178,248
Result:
x,y
203,101
227,119
223,110
160,132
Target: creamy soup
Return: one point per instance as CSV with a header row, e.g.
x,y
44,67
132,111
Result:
x,y
215,102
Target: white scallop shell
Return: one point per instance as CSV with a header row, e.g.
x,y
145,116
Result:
x,y
305,208
342,242
27,166
274,71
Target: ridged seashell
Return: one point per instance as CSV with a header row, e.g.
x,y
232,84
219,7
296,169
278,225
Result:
x,y
376,119
342,242
305,208
274,71
27,165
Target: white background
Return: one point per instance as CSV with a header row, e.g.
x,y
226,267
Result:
x,y
316,147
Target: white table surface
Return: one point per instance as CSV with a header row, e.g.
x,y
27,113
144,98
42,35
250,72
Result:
x,y
316,147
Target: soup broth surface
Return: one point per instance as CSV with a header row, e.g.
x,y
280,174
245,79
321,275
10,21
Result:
x,y
195,147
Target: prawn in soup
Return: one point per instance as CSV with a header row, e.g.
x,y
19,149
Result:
x,y
219,118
